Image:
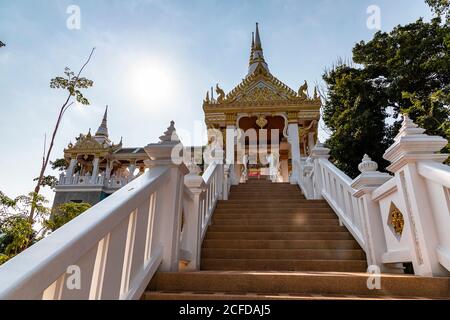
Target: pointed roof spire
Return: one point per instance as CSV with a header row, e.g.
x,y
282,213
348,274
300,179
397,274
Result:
x,y
103,129
257,39
252,50
256,55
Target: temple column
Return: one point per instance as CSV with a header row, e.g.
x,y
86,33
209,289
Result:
x,y
95,170
71,168
131,168
109,169
230,143
311,141
295,151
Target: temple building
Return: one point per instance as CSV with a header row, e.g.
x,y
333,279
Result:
x,y
97,167
263,103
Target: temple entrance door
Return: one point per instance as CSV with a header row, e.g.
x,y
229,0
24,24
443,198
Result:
x,y
259,142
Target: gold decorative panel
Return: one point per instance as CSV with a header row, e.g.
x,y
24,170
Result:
x,y
261,121
396,219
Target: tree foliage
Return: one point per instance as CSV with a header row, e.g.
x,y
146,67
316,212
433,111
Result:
x,y
64,213
407,71
440,7
355,113
72,83
59,164
17,232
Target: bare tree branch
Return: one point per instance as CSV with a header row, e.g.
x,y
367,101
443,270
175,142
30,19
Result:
x,y
62,110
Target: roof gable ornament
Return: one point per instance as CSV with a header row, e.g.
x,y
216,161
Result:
x,y
259,85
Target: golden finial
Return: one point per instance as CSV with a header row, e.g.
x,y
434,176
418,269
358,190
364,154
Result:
x,y
316,94
220,93
303,91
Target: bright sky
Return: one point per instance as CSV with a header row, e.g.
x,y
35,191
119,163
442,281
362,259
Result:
x,y
154,62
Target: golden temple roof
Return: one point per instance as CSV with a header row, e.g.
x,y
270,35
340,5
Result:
x,y
260,86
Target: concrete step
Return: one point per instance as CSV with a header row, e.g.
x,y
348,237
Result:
x,y
284,254
275,228
279,215
275,210
299,283
271,220
191,296
280,235
283,265
280,244
264,197
263,200
293,190
273,204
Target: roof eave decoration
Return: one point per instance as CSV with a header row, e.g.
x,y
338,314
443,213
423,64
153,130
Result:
x,y
280,92
87,144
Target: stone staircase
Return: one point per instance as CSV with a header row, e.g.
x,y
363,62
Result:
x,y
268,242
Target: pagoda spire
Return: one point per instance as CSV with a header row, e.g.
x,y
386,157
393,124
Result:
x,y
256,54
252,50
257,39
103,129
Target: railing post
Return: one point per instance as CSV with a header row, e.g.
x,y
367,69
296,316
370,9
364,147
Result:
x,y
226,178
317,153
295,151
193,220
372,226
167,223
411,146
219,159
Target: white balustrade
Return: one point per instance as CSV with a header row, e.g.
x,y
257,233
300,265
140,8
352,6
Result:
x,y
338,192
437,177
418,193
200,199
112,245
112,250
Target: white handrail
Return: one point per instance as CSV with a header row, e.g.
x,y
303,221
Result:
x,y
113,245
436,172
213,182
337,191
200,199
437,177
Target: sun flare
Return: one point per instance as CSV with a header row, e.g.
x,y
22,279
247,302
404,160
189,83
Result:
x,y
150,81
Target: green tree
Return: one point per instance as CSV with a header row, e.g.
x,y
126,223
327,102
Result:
x,y
50,180
64,213
72,83
440,7
354,111
406,70
16,231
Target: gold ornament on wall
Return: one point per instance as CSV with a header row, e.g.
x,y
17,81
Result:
x,y
261,121
396,219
